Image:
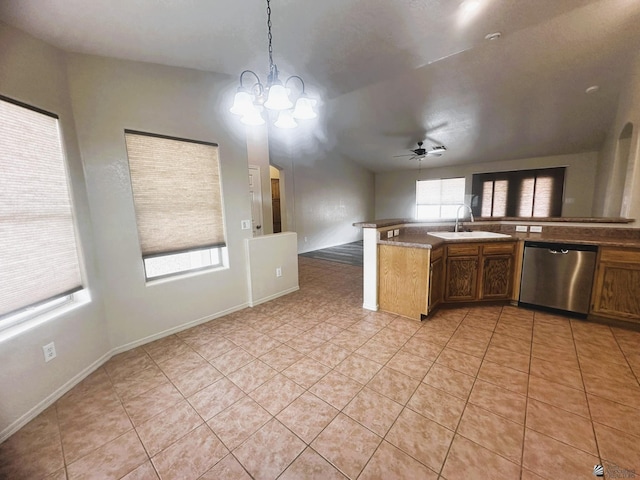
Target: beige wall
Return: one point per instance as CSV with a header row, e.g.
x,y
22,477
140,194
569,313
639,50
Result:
x,y
258,153
265,254
96,99
607,201
329,192
396,191
109,96
34,73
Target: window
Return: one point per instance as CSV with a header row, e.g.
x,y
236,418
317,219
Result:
x,y
178,203
523,193
439,198
40,268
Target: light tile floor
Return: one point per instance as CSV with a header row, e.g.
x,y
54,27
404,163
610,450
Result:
x,y
311,386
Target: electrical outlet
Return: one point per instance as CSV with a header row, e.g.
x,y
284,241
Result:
x,y
396,232
306,239
536,229
245,224
389,233
278,271
49,351
521,228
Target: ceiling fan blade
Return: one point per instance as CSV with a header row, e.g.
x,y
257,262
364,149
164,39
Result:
x,y
407,155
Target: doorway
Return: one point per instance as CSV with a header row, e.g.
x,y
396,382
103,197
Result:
x,y
255,194
276,204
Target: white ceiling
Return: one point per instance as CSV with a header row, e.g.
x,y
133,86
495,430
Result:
x,y
390,72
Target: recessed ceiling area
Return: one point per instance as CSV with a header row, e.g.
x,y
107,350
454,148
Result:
x,y
390,74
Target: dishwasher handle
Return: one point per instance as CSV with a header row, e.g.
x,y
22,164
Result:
x,y
562,251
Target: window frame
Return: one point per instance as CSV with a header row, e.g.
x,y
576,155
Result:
x,y
440,205
514,195
218,248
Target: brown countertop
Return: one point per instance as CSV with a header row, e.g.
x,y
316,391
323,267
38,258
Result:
x,y
429,241
407,221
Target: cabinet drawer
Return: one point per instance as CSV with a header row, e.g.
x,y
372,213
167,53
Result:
x,y
467,249
498,248
436,254
619,255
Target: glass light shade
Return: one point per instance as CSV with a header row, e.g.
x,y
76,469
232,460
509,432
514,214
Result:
x,y
285,120
242,103
304,108
253,117
278,98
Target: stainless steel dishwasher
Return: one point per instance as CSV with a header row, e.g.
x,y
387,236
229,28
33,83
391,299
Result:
x,y
557,276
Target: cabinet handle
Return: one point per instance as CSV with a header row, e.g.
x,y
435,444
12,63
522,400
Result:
x,y
556,252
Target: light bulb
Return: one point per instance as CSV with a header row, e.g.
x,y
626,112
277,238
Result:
x,y
242,103
278,98
304,108
285,120
253,118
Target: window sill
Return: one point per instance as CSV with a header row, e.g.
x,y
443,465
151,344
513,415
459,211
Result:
x,y
184,275
11,329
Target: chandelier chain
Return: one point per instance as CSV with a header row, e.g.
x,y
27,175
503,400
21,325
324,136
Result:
x,y
269,36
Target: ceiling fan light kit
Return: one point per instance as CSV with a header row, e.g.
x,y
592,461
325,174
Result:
x,y
249,103
419,153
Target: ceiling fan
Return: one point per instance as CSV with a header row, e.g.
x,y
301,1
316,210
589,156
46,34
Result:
x,y
419,153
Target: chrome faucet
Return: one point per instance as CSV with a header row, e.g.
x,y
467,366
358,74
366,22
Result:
x,y
464,205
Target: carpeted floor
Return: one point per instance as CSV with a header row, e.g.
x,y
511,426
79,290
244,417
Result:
x,y
349,253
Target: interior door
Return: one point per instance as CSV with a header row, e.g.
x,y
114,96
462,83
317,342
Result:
x,y
255,194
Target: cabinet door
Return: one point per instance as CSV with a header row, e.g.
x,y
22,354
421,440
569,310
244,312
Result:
x,y
617,284
436,283
403,276
461,279
496,277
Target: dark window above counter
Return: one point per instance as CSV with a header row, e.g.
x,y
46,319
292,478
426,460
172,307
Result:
x,y
521,193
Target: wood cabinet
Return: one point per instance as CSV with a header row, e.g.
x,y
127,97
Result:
x,y
497,271
436,278
479,271
461,284
403,280
617,283
413,281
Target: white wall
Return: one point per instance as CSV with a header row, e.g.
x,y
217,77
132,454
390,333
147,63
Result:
x,y
604,202
330,192
396,191
97,99
258,154
108,97
265,254
330,195
35,73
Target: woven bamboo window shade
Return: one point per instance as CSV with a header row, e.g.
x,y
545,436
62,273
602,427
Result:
x,y
38,251
176,192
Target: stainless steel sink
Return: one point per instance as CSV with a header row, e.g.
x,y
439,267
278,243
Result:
x,y
467,235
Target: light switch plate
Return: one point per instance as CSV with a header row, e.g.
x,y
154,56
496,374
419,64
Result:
x,y
396,232
536,229
245,224
521,228
389,233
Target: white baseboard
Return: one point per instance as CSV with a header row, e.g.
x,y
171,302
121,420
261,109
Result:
x,y
274,296
58,393
179,328
373,307
51,399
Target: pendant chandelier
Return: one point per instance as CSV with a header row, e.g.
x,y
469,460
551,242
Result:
x,y
250,102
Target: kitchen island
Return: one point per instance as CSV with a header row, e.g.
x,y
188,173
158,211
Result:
x,y
410,271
